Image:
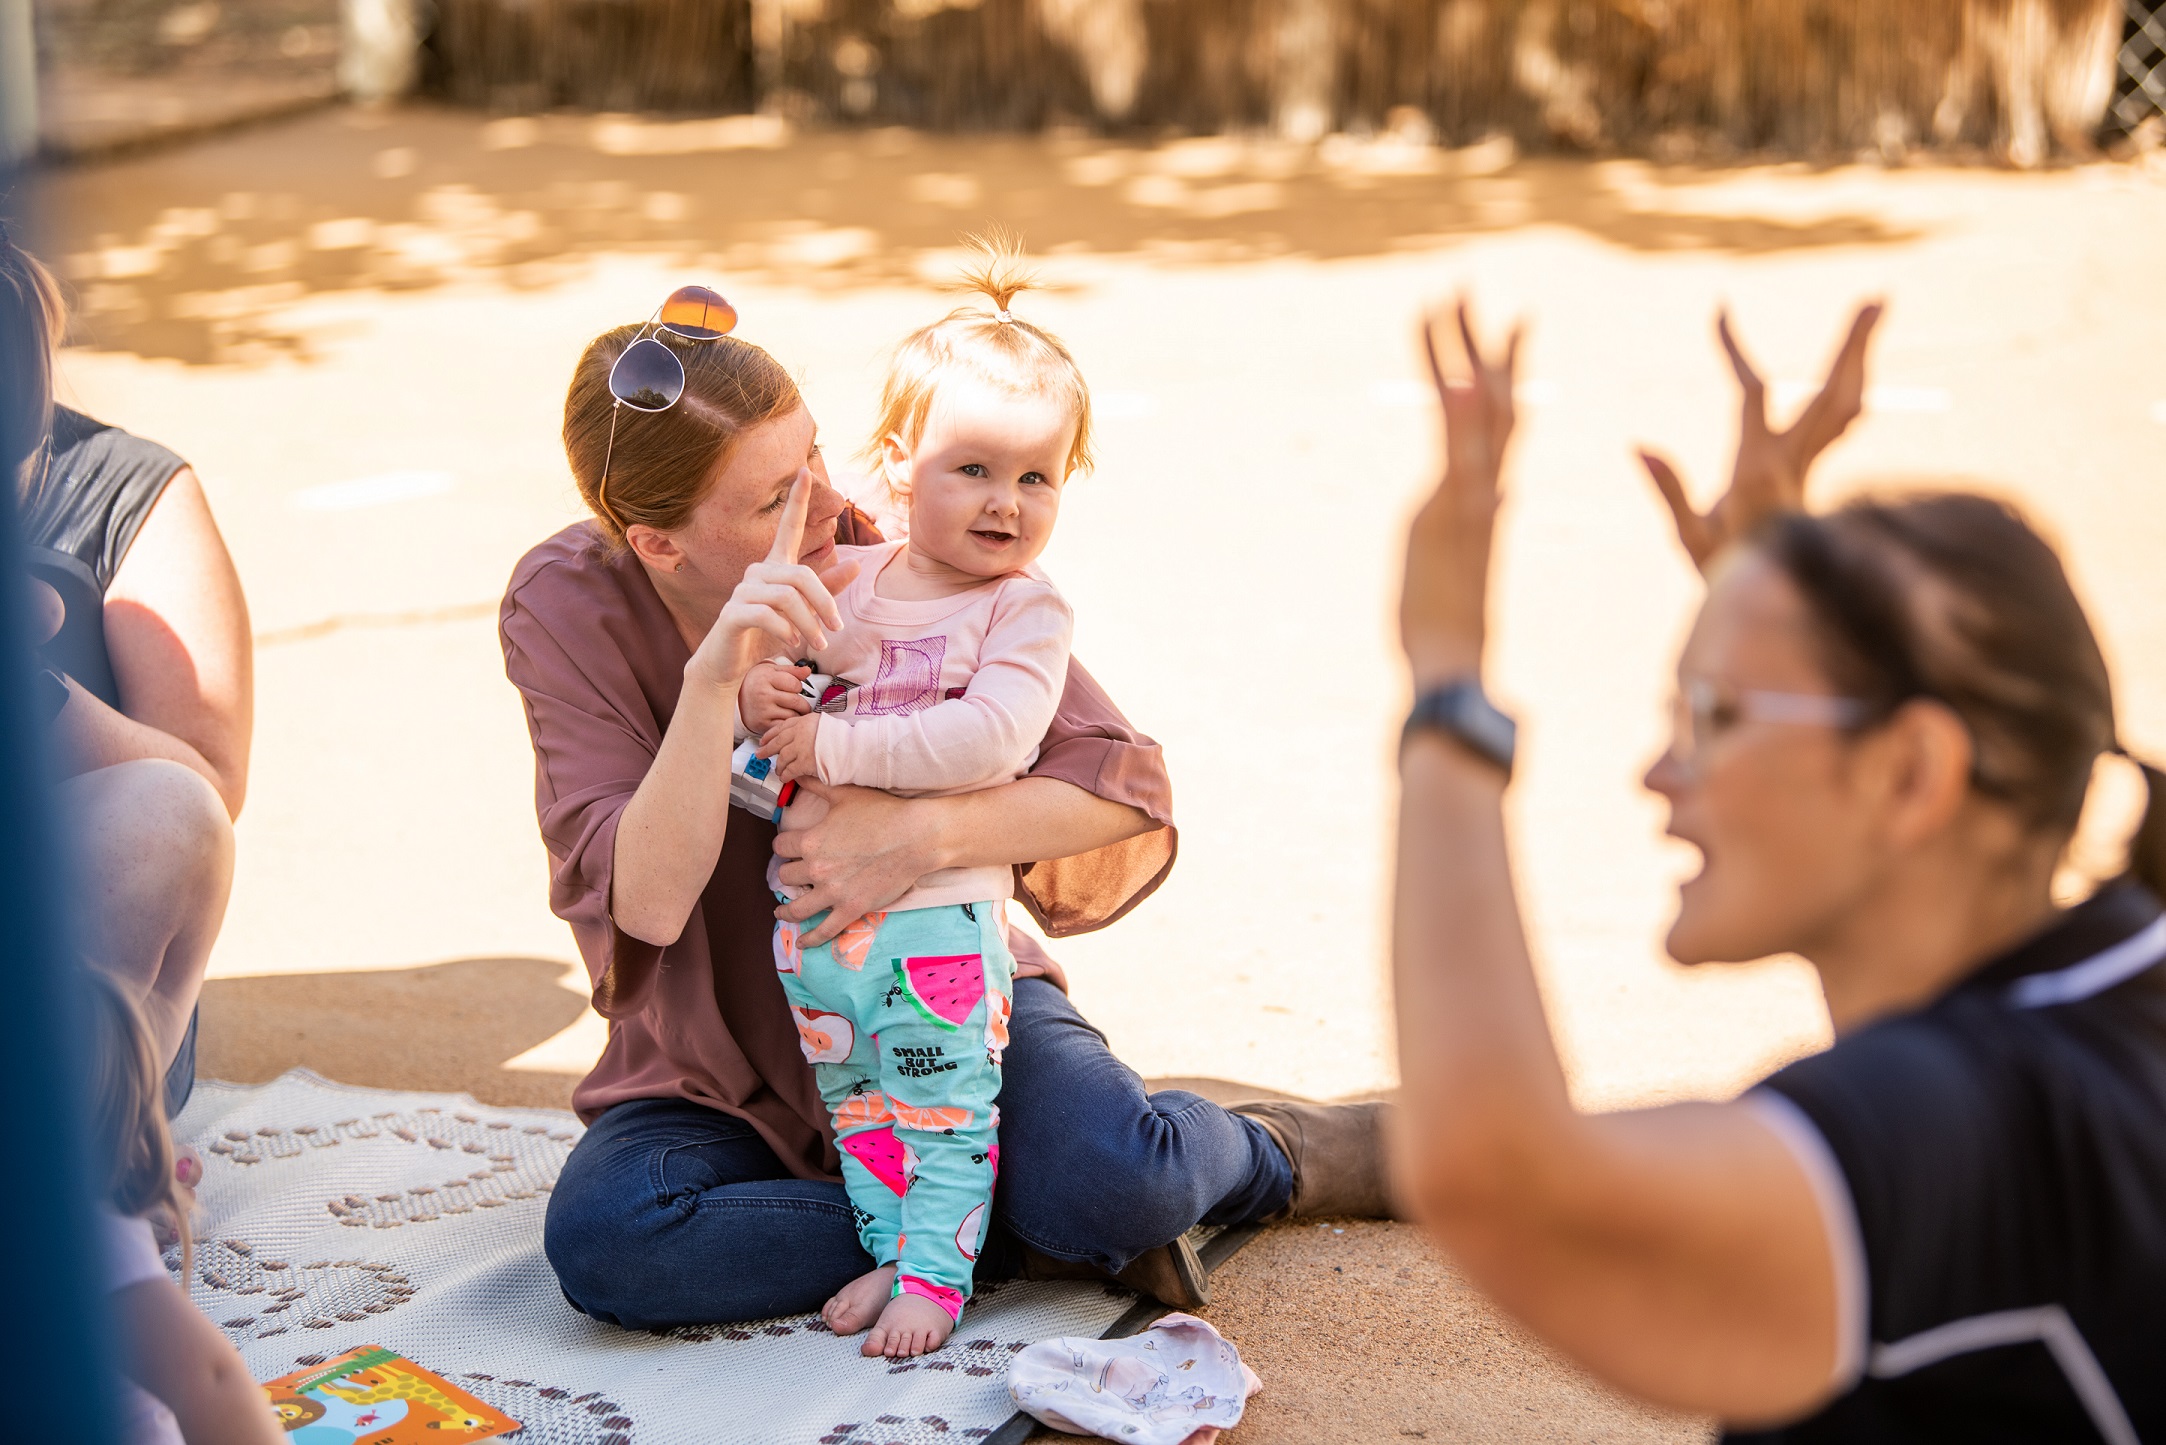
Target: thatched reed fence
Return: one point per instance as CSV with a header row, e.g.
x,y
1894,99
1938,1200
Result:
x,y
1810,77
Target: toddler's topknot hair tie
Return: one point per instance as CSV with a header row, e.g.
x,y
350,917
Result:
x,y
1004,316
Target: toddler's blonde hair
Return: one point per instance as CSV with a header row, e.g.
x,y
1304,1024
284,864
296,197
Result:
x,y
992,345
127,1112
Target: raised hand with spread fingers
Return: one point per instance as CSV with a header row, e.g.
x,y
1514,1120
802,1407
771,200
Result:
x,y
1768,476
1443,608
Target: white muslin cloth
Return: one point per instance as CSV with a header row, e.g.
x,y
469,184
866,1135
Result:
x,y
1178,1383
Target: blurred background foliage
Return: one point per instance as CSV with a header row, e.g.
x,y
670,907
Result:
x,y
1707,80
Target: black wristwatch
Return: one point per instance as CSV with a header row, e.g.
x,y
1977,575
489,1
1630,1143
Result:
x,y
1462,712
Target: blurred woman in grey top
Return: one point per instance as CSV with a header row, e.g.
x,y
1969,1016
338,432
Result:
x,y
147,678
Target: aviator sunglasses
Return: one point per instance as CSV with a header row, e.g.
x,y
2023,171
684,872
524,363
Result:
x,y
648,376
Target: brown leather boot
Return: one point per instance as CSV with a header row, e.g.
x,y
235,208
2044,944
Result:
x,y
1172,1274
1337,1151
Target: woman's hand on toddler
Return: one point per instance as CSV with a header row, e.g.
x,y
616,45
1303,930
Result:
x,y
790,743
769,695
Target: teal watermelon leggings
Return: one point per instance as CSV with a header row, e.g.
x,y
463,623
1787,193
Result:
x,y
903,1016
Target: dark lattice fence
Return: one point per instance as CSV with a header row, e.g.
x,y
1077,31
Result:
x,y
2140,68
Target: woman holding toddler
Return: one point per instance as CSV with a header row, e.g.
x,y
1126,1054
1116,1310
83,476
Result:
x,y
706,1188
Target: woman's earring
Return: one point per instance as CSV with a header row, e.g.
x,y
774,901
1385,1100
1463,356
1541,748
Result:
x,y
680,566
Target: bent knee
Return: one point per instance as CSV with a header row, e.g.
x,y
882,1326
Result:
x,y
598,1259
187,810
152,809
1133,1200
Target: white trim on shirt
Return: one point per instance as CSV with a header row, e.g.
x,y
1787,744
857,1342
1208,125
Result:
x,y
2096,974
1838,1216
2049,1325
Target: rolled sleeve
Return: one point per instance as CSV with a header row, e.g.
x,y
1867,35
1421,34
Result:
x,y
589,759
1092,746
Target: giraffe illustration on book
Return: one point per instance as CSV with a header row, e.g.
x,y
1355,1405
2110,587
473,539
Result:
x,y
380,1383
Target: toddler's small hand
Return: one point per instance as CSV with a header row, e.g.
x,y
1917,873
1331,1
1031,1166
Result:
x,y
769,695
790,744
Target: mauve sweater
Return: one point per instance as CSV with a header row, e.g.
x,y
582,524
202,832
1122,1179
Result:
x,y
599,665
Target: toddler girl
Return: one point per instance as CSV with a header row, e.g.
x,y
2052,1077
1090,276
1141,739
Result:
x,y
184,1381
946,673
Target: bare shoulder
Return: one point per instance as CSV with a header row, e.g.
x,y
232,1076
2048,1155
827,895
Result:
x,y
178,542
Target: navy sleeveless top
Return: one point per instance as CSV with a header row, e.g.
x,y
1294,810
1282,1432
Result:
x,y
100,484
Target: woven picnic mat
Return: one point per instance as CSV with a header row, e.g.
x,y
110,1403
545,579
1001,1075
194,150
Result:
x,y
334,1216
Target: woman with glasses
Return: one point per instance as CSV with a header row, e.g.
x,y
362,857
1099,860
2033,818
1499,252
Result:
x,y
707,1187
1948,1225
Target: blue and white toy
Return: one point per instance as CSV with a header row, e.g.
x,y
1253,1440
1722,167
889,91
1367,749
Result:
x,y
752,784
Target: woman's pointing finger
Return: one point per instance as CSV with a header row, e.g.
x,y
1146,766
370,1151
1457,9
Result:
x,y
790,536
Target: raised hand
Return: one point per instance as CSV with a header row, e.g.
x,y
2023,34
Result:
x,y
780,605
1769,474
1443,603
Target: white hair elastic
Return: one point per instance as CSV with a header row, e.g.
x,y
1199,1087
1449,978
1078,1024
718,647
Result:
x,y
1003,316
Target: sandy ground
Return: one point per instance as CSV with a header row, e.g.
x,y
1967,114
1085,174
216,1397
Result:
x,y
358,327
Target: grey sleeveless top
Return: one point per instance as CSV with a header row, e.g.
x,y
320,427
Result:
x,y
100,484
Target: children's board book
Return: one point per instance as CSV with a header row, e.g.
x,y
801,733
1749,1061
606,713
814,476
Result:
x,y
374,1396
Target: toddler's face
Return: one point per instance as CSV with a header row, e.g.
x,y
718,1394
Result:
x,y
985,477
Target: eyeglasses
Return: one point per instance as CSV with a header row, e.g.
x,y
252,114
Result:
x,y
648,376
1705,710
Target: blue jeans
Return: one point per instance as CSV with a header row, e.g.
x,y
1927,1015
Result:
x,y
670,1213
180,1075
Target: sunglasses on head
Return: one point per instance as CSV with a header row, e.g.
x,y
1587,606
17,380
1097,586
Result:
x,y
649,376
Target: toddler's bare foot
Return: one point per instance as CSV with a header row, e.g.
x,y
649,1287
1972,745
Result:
x,y
910,1325
858,1303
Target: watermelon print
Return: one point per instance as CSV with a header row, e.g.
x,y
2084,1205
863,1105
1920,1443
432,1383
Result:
x,y
970,1234
853,943
950,1300
882,1154
915,1002
944,988
826,1038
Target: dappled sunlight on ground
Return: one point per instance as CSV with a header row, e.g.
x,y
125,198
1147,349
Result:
x,y
191,255
358,327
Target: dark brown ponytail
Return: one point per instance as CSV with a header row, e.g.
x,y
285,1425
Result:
x,y
1954,596
2147,850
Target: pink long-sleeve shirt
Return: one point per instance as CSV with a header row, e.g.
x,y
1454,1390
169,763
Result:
x,y
951,696
599,665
